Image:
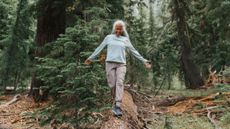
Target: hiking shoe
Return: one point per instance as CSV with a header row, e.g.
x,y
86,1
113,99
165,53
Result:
x,y
117,111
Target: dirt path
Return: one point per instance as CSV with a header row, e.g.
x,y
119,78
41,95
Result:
x,y
15,115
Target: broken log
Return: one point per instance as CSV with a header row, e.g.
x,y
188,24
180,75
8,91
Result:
x,y
170,101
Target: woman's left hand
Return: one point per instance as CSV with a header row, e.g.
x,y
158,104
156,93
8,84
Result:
x,y
148,65
87,62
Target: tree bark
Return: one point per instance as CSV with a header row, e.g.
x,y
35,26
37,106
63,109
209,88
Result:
x,y
50,23
129,120
192,75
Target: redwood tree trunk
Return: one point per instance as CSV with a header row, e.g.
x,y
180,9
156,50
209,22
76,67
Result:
x,y
50,23
192,75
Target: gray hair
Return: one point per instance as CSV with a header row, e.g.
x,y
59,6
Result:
x,y
125,33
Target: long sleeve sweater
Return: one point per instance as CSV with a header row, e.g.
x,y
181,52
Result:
x,y
116,49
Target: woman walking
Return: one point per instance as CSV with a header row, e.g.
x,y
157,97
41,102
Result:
x,y
116,44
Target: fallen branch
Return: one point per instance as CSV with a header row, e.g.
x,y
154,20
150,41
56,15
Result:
x,y
211,119
204,112
160,87
9,114
139,95
15,99
170,101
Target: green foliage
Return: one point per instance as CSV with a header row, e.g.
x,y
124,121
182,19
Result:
x,y
116,9
73,84
165,57
209,30
7,9
138,30
225,119
63,69
15,59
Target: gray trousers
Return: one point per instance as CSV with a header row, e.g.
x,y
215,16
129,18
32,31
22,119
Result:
x,y
115,73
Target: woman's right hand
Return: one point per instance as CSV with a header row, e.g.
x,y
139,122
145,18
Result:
x,y
87,62
148,65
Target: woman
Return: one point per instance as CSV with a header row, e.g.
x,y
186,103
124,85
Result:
x,y
116,44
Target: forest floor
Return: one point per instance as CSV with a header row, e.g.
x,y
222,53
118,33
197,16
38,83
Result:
x,y
16,114
192,109
170,109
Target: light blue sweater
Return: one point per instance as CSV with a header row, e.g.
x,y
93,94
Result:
x,y
116,49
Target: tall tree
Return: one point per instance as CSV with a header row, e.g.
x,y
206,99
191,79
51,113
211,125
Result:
x,y
191,72
50,23
15,59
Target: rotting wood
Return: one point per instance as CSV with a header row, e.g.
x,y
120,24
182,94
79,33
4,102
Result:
x,y
170,101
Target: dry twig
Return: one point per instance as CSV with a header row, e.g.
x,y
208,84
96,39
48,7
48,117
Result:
x,y
210,117
15,99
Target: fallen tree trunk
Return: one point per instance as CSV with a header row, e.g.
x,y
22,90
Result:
x,y
170,101
129,120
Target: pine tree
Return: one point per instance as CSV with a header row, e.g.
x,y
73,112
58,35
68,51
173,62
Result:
x,y
51,22
15,60
71,83
191,72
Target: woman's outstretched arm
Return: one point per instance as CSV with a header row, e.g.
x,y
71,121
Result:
x,y
98,49
134,52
